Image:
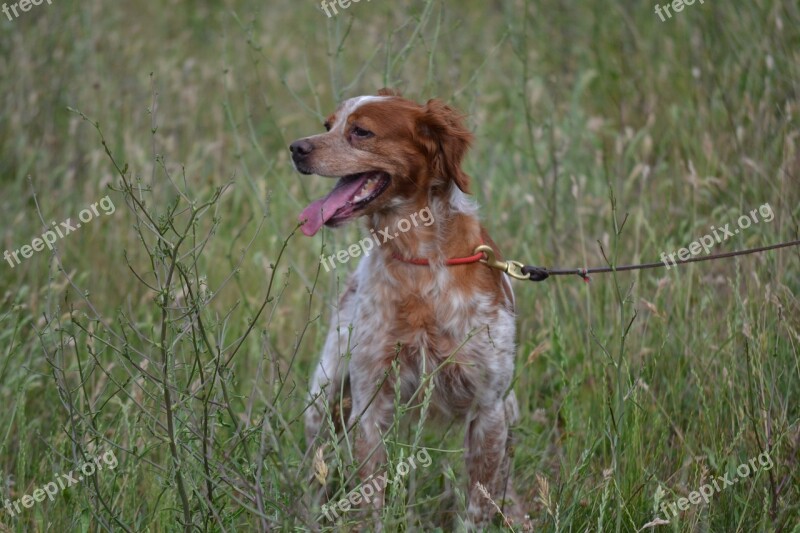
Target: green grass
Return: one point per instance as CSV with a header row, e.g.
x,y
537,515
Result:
x,y
634,389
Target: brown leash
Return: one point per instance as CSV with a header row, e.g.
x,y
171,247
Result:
x,y
517,270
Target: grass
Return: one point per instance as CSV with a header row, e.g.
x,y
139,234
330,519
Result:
x,y
180,330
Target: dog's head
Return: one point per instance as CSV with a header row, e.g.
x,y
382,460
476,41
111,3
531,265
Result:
x,y
388,152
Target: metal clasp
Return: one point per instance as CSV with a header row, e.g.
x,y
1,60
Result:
x,y
512,268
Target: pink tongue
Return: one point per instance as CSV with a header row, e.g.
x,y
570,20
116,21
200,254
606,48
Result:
x,y
322,210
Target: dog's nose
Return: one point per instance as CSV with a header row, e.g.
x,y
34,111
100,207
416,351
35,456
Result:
x,y
301,148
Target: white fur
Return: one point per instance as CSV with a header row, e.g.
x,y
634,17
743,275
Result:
x,y
349,106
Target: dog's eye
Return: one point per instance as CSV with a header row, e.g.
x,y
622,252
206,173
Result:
x,y
361,132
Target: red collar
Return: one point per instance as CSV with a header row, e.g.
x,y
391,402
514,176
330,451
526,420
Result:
x,y
450,262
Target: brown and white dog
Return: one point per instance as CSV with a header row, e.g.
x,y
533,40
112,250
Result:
x,y
394,158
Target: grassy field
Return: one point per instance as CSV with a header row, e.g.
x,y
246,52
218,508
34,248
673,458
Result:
x,y
176,331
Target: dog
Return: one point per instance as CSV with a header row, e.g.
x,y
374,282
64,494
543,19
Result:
x,y
420,299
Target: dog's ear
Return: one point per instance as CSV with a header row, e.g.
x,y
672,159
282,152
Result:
x,y
447,140
389,92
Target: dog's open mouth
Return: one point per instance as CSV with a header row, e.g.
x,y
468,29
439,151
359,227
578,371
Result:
x,y
351,194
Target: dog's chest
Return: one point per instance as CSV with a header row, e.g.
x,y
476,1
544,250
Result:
x,y
431,324
432,314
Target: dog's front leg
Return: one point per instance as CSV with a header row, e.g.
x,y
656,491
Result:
x,y
325,394
486,440
375,418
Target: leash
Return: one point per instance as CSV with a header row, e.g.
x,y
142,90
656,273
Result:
x,y
517,270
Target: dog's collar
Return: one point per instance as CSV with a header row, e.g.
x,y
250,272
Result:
x,y
421,261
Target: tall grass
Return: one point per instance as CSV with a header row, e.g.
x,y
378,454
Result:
x,y
181,330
